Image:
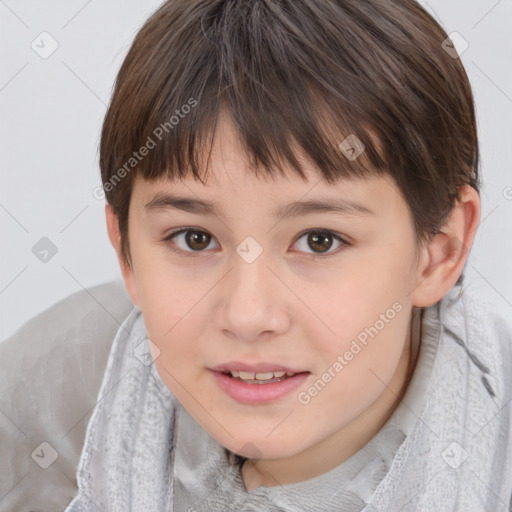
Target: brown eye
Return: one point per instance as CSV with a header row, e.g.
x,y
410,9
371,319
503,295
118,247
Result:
x,y
188,241
320,242
197,240
317,243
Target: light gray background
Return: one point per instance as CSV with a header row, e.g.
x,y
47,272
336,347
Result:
x,y
52,110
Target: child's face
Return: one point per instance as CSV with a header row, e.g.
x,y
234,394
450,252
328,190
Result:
x,y
214,305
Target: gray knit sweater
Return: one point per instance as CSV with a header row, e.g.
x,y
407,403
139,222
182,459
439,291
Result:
x,y
447,446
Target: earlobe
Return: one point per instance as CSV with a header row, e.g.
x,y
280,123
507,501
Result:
x,y
443,259
126,269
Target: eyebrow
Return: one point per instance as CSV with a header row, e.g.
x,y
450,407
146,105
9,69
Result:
x,y
164,201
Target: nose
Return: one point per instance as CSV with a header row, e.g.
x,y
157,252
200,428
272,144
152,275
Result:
x,y
254,302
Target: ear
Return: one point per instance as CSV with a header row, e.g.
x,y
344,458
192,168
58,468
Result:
x,y
126,269
443,260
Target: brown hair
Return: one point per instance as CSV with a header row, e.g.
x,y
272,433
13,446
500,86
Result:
x,y
295,74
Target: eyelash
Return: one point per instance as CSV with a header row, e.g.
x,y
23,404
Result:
x,y
194,254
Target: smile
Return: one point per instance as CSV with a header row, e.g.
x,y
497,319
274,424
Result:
x,y
258,388
262,377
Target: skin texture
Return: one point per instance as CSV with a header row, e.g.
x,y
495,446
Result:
x,y
286,307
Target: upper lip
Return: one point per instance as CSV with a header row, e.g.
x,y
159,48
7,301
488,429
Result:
x,y
254,367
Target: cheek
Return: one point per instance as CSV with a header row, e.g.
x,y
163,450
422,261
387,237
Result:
x,y
356,373
167,295
361,336
181,360
355,305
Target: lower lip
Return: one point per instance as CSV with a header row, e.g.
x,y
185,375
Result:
x,y
258,393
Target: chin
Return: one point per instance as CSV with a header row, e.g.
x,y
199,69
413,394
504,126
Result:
x,y
261,448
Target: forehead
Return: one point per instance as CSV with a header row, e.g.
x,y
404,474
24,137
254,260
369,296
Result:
x,y
233,193
231,181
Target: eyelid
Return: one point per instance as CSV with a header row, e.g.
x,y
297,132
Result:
x,y
315,255
341,238
168,238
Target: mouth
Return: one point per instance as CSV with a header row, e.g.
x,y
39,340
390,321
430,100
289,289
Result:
x,y
261,367
244,384
260,377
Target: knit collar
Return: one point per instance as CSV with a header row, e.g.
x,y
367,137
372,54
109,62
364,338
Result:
x,y
455,416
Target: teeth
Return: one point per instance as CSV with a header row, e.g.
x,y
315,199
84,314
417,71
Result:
x,y
246,375
264,376
260,376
